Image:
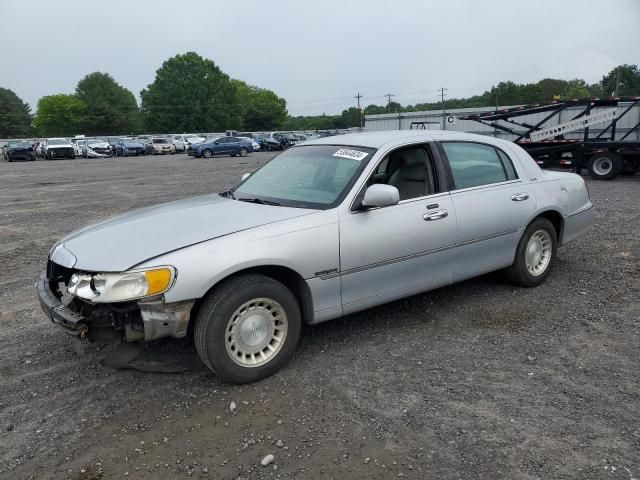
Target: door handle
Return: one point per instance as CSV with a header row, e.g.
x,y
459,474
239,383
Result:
x,y
519,197
435,215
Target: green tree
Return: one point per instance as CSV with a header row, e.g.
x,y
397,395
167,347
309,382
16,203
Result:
x,y
59,115
350,118
262,109
576,88
15,115
190,94
111,108
623,80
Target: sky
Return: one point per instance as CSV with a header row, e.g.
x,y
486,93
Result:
x,y
318,55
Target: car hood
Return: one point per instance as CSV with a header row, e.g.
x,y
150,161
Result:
x,y
98,145
120,243
66,145
133,145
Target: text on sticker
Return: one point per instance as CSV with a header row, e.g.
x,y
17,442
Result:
x,y
352,154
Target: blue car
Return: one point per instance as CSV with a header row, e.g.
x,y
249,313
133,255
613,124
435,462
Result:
x,y
126,147
221,146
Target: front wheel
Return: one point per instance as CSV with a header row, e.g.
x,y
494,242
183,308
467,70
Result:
x,y
243,152
247,328
207,153
534,255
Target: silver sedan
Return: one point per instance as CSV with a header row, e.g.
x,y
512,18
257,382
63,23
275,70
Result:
x,y
327,228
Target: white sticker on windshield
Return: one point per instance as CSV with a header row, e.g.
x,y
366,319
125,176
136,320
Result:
x,y
352,154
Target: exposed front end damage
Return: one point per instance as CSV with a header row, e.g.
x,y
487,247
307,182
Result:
x,y
146,319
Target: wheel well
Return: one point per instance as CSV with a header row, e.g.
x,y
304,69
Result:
x,y
556,220
288,277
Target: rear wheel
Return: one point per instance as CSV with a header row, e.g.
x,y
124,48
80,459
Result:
x,y
247,328
534,255
605,166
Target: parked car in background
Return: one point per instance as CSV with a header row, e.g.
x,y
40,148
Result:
x,y
18,150
221,146
79,144
280,141
183,141
162,146
96,148
146,141
127,147
254,144
321,231
113,142
56,148
39,149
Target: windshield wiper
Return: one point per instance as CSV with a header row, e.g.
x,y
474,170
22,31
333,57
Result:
x,y
228,194
259,201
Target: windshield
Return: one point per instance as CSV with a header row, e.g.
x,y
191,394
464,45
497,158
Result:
x,y
57,141
313,176
159,140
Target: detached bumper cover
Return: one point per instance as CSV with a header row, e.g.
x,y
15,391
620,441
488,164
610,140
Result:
x,y
60,314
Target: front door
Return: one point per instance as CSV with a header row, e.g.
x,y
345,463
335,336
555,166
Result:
x,y
392,252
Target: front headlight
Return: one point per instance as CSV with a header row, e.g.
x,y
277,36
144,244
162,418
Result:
x,y
120,287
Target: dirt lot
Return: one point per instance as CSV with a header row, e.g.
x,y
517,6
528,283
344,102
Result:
x,y
480,380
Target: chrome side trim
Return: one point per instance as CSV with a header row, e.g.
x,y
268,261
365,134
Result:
x,y
588,206
396,260
488,237
422,254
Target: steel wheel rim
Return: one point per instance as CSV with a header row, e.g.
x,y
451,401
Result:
x,y
256,332
602,166
538,253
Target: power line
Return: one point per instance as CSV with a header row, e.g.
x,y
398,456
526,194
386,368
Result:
x,y
444,107
389,95
358,96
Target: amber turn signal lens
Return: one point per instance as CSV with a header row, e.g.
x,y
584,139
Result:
x,y
158,280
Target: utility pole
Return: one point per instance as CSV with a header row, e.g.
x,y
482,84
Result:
x,y
358,96
444,108
389,95
617,82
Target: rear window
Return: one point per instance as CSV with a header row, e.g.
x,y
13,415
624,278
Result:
x,y
477,164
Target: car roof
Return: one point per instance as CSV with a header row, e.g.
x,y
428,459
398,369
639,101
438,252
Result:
x,y
390,138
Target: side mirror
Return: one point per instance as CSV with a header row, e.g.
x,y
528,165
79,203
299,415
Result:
x,y
380,195
245,176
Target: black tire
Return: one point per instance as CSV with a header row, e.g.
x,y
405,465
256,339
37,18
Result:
x,y
518,272
207,153
605,166
210,330
243,152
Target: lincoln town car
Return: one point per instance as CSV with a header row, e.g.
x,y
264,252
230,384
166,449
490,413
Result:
x,y
326,228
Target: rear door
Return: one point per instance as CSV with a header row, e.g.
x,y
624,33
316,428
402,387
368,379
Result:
x,y
492,205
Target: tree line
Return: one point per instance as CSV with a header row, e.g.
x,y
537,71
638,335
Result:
x,y
191,94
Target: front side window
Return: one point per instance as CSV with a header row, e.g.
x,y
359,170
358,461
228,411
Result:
x,y
476,164
312,176
410,170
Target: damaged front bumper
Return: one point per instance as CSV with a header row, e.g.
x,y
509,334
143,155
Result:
x,y
153,318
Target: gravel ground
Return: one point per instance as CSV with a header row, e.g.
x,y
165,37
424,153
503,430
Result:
x,y
480,380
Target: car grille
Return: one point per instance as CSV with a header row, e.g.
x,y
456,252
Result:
x,y
102,150
62,152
